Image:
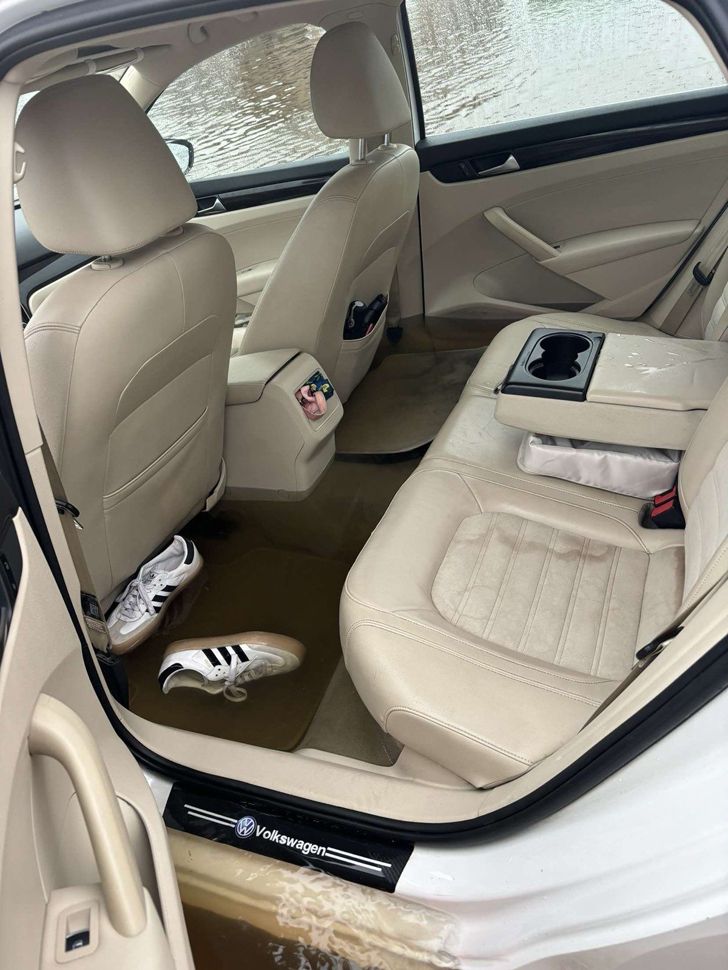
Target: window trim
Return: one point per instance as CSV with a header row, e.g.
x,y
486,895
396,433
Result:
x,y
409,47
580,134
269,184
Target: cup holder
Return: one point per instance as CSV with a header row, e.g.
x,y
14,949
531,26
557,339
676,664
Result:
x,y
559,357
555,363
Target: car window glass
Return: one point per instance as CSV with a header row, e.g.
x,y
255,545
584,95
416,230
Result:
x,y
486,62
247,107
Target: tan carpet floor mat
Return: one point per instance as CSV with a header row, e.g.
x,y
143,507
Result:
x,y
402,404
343,725
277,566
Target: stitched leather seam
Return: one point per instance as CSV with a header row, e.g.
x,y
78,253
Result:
x,y
478,663
558,501
111,499
604,618
484,547
456,730
450,636
573,598
538,593
505,581
516,478
50,325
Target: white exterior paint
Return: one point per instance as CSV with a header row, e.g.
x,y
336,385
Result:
x,y
643,854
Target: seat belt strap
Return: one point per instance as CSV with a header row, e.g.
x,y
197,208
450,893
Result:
x,y
645,655
93,615
684,304
699,281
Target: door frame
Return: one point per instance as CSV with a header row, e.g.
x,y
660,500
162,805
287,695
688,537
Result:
x,y
688,693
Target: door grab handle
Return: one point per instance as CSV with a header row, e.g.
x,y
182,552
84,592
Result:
x,y
216,206
59,733
510,165
518,234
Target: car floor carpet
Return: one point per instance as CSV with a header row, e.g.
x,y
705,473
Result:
x,y
276,566
343,725
402,404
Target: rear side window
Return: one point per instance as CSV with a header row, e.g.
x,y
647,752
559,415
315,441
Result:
x,y
487,62
248,106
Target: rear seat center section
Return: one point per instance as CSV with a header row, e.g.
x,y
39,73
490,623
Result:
x,y
492,610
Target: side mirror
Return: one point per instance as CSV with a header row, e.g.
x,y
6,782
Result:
x,y
184,153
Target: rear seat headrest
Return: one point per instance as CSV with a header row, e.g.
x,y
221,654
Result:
x,y
99,179
355,91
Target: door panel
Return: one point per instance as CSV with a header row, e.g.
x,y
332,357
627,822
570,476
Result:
x,y
257,213
257,236
604,232
85,860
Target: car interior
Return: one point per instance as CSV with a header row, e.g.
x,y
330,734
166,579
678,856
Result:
x,y
515,340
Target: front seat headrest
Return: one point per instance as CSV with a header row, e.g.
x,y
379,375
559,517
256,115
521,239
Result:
x,y
355,91
99,179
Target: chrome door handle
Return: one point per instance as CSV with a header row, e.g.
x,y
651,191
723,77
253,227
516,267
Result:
x,y
216,206
510,165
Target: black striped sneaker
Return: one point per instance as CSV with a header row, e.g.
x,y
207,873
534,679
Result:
x,y
221,665
140,608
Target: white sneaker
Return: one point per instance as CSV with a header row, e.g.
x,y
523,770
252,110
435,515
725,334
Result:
x,y
140,608
221,665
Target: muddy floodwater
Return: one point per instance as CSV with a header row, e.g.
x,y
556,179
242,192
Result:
x,y
480,62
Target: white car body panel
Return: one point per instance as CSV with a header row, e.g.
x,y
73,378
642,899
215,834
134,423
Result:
x,y
639,862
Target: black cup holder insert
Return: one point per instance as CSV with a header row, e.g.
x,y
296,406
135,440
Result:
x,y
559,357
556,364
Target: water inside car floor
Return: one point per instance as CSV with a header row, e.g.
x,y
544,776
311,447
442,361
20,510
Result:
x,y
402,404
281,566
278,566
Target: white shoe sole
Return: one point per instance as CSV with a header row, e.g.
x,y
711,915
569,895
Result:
x,y
278,641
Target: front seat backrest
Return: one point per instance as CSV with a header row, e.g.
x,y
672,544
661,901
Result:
x,y
128,356
347,244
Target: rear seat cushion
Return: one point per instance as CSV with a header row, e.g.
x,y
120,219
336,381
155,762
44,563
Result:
x,y
483,623
506,345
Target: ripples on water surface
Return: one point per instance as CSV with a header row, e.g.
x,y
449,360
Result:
x,y
480,62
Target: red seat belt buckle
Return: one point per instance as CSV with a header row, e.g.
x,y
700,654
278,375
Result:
x,y
666,512
663,497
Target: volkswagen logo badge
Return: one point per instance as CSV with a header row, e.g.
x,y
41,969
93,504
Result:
x,y
245,827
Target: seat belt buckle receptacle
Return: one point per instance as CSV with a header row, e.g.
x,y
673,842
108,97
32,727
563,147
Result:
x,y
665,512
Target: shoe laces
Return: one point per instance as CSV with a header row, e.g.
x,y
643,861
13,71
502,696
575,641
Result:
x,y
243,671
137,599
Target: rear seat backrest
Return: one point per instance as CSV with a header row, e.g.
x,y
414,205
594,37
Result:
x,y
703,487
714,315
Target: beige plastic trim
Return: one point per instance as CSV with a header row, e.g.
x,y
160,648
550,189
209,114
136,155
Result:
x,y
598,248
538,248
616,424
248,374
59,733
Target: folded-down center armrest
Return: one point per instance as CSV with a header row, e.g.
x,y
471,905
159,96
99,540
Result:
x,y
644,391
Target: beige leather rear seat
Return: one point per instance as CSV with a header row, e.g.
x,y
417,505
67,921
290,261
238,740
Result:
x,y
491,612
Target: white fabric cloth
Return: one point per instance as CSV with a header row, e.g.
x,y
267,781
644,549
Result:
x,y
627,470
